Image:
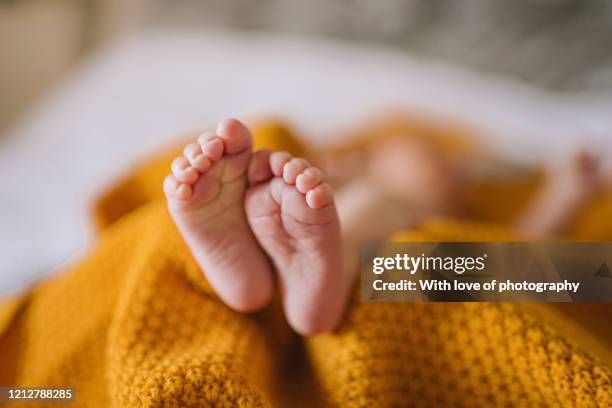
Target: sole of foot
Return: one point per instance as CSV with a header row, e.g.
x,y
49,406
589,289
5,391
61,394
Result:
x,y
205,196
292,214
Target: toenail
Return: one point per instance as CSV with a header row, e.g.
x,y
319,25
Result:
x,y
213,148
314,173
298,161
307,178
289,168
206,137
182,190
200,159
187,171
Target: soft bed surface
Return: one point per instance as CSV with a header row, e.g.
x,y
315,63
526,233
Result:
x,y
128,100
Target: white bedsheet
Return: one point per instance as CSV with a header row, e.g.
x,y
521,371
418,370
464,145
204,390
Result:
x,y
127,100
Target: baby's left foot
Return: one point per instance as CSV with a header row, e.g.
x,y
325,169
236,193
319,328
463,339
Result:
x,y
292,214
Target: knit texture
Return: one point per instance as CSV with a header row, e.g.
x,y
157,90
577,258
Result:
x,y
135,324
466,354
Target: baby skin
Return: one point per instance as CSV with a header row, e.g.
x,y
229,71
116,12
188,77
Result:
x,y
257,221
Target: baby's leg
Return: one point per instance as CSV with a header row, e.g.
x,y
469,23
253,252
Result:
x,y
566,192
406,182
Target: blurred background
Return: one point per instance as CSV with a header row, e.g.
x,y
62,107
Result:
x,y
557,44
89,87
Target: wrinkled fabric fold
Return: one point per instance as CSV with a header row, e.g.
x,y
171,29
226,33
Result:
x,y
134,323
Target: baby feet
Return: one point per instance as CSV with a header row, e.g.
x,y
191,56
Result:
x,y
229,204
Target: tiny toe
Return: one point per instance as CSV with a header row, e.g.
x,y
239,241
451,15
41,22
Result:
x,y
184,192
236,136
309,179
278,161
197,159
213,148
206,136
259,169
202,164
319,197
176,189
301,161
182,170
294,168
191,151
314,172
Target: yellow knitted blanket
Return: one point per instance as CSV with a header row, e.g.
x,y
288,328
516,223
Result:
x,y
135,324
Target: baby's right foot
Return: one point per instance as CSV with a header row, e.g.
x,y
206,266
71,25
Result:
x,y
292,214
205,196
